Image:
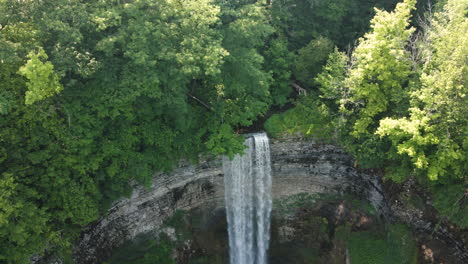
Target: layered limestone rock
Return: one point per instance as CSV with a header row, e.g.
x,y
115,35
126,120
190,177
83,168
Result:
x,y
298,166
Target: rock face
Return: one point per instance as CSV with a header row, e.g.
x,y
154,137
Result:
x,y
299,166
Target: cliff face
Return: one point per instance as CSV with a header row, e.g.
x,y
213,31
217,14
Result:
x,y
298,166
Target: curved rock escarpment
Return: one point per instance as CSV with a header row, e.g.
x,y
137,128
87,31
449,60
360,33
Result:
x,y
298,166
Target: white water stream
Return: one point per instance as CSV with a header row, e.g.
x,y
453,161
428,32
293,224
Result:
x,y
247,181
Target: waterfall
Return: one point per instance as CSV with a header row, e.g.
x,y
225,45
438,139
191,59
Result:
x,y
247,181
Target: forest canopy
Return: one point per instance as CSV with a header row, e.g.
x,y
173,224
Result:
x,y
95,95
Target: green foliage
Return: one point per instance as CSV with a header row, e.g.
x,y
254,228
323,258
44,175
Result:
x,y
355,93
370,247
449,202
244,84
22,223
285,123
340,21
401,244
404,112
330,80
366,248
279,61
144,250
360,205
311,58
225,142
397,110
142,84
369,150
43,81
5,105
94,95
380,68
309,117
434,136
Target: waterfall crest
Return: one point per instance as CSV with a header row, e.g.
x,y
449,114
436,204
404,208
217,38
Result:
x,y
247,181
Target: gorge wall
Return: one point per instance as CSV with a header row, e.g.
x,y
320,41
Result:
x,y
298,166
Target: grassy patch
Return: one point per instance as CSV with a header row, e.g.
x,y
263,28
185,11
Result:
x,y
361,205
374,247
145,249
309,117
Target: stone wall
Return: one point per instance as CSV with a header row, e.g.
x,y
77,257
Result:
x,y
298,166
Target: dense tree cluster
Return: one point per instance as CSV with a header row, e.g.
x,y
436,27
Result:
x,y
97,94
400,101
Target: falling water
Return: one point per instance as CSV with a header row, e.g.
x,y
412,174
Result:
x,y
247,184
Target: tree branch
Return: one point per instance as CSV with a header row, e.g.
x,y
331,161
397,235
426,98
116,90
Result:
x,y
299,89
201,102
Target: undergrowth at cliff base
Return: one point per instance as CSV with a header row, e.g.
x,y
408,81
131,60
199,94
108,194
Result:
x,y
144,249
394,244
